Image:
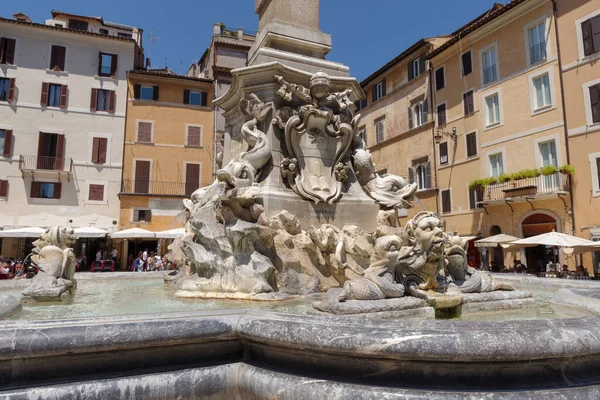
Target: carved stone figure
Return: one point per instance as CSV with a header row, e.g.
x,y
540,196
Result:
x,y
463,278
54,257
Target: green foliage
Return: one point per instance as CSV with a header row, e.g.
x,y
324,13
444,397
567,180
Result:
x,y
549,170
482,182
505,178
567,169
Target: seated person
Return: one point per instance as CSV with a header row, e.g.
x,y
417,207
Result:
x,y
565,271
5,269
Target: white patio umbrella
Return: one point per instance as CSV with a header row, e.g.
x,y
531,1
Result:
x,y
171,233
29,232
133,233
555,239
89,232
495,241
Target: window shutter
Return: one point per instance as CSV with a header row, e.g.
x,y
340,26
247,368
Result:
x,y
588,41
96,193
41,145
3,188
64,92
7,151
194,134
444,153
62,54
472,198
595,103
54,58
44,98
113,65
102,149
425,110
384,89
428,175
9,54
111,101
441,114
374,92
59,161
204,101
144,132
411,71
137,90
186,96
446,206
596,34
598,168
57,190
142,176
192,178
411,175
35,190
155,93
99,63
410,118
470,98
11,89
439,79
95,146
2,53
136,215
148,217
94,100
422,63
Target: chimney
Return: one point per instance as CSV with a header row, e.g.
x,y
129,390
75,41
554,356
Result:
x,y
217,29
240,33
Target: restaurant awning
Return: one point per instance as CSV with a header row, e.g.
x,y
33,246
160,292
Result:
x,y
29,232
133,233
89,232
171,233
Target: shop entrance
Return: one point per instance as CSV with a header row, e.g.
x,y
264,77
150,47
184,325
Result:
x,y
538,257
498,254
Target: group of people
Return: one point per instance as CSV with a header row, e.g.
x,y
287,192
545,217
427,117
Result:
x,y
580,271
11,269
149,261
518,267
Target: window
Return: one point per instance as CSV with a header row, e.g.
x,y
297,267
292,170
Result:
x,y
420,173
96,192
444,153
440,78
107,64
379,90
362,134
7,50
3,188
549,158
416,67
54,95
417,115
489,65
144,134
468,104
45,190
78,24
595,103
594,159
380,130
441,114
492,104
537,43
362,104
51,151
57,58
6,142
142,176
103,31
103,100
475,197
543,97
99,149
142,215
467,63
496,165
194,136
195,98
192,178
124,35
590,31
471,144
147,92
7,89
446,204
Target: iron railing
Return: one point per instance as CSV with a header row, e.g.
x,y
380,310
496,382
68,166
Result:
x,y
490,74
557,182
537,52
165,188
39,163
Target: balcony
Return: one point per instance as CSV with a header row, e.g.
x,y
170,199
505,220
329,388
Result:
x,y
157,188
527,189
46,166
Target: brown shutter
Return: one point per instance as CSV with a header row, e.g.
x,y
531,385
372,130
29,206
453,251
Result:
x,y
374,93
137,90
45,89
94,100
444,153
3,188
99,63
204,100
62,53
59,162
96,192
148,216
192,178
471,105
2,42
35,190
40,153
598,168
595,103
411,175
441,114
7,151
422,63
411,71
155,92
102,148
410,119
9,55
472,198
57,190
64,93
467,63
142,176
596,33
471,144
95,146
11,90
446,205
53,57
383,85
111,101
194,136
113,65
588,43
425,110
144,132
186,96
428,175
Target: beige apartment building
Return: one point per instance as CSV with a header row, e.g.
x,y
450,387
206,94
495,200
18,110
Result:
x,y
578,24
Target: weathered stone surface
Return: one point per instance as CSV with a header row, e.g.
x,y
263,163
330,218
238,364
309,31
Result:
x,y
498,305
9,305
368,306
494,296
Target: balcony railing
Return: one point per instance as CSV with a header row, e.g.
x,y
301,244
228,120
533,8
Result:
x,y
43,163
164,188
527,187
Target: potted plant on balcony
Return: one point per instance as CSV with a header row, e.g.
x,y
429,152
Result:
x,y
567,170
548,170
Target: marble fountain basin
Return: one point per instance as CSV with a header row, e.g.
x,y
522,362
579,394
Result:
x,y
129,338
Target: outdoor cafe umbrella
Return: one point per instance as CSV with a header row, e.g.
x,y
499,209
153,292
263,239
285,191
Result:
x,y
133,233
554,239
171,234
29,232
495,241
89,232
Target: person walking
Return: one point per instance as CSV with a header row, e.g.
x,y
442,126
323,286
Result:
x,y
138,263
145,260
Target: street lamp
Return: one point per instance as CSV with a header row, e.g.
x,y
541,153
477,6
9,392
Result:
x,y
439,133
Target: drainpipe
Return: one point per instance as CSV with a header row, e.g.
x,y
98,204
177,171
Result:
x,y
433,110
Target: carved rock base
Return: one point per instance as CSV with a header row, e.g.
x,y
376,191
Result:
x,y
497,301
274,296
332,306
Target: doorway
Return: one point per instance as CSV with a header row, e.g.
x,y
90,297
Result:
x,y
498,254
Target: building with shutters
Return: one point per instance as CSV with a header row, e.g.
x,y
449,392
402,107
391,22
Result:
x,y
63,91
168,147
228,50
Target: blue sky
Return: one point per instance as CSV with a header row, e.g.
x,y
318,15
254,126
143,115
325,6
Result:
x,y
365,34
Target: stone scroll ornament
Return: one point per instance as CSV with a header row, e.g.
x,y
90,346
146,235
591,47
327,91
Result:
x,y
54,257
